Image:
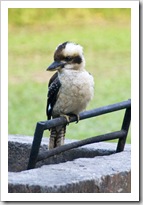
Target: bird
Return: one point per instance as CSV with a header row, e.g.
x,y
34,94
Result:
x,y
70,89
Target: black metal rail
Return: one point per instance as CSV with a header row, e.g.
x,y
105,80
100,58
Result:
x,y
44,125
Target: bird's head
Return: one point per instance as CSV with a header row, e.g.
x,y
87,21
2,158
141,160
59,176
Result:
x,y
68,56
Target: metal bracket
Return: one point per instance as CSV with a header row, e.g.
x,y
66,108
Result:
x,y
44,125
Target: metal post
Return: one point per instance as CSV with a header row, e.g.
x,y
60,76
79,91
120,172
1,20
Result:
x,y
125,127
35,146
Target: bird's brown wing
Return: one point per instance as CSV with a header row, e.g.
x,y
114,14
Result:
x,y
53,89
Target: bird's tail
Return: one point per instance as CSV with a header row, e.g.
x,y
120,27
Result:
x,y
57,136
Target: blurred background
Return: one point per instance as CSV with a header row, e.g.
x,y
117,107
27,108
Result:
x,y
105,35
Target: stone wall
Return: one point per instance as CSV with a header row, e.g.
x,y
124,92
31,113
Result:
x,y
91,168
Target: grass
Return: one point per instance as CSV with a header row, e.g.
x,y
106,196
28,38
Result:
x,y
106,45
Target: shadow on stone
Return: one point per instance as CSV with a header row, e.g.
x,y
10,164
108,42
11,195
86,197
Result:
x,y
19,152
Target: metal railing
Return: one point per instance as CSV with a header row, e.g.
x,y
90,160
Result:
x,y
41,126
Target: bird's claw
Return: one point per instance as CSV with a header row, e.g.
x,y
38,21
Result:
x,y
78,118
67,117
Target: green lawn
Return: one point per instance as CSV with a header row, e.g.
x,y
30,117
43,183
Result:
x,y
106,42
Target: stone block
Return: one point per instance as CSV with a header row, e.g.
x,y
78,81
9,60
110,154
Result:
x,y
94,168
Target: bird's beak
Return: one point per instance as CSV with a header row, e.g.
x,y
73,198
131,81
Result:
x,y
55,66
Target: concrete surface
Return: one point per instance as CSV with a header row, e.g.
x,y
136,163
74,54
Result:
x,y
92,168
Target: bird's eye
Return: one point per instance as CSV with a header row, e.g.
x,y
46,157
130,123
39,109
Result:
x,y
68,58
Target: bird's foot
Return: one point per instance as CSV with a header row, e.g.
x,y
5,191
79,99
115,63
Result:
x,y
75,115
78,118
67,117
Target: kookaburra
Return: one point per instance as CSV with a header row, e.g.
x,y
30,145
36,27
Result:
x,y
69,90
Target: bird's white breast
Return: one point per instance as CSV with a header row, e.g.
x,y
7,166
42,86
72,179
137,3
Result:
x,y
77,89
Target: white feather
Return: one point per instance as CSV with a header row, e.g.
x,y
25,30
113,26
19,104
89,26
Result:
x,y
72,49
